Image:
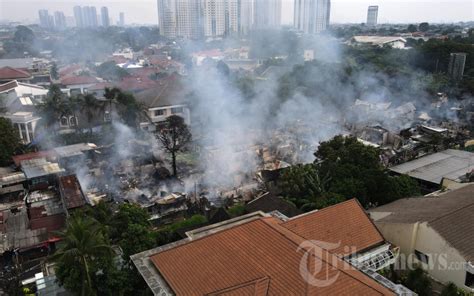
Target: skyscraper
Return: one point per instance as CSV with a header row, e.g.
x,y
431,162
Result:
x,y
93,16
267,13
457,62
180,18
372,14
78,16
220,17
46,20
104,14
312,16
122,19
59,20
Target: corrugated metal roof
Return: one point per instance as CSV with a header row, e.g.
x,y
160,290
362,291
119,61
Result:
x,y
39,167
74,150
452,164
13,178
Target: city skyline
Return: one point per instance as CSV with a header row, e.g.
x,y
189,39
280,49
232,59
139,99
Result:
x,y
342,11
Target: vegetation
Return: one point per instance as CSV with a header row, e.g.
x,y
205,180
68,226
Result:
x,y
9,141
418,282
129,109
174,136
110,71
452,290
345,168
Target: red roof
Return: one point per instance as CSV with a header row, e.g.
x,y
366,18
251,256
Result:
x,y
100,86
259,257
17,159
136,84
69,69
345,224
8,85
76,80
13,73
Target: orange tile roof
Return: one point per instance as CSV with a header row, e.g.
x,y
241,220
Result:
x,y
13,73
259,257
345,224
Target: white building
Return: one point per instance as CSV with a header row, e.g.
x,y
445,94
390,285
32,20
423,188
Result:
x,y
435,232
180,18
17,101
267,14
392,41
312,16
220,17
372,14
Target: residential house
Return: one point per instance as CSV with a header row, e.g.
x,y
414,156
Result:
x,y
268,203
392,41
78,84
38,68
17,101
168,98
8,74
261,254
436,232
431,170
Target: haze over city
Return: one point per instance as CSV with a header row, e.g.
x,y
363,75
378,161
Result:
x,y
343,11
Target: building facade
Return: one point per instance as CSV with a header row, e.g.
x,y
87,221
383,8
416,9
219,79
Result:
x,y
267,14
59,20
312,16
46,20
122,19
78,17
220,18
372,14
180,18
104,15
457,61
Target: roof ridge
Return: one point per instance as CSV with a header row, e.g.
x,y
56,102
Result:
x,y
323,209
452,212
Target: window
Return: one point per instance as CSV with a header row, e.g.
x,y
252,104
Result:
x,y
160,112
469,280
72,121
177,110
422,257
64,121
107,117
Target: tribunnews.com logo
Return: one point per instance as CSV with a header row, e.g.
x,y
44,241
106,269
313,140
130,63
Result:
x,y
320,268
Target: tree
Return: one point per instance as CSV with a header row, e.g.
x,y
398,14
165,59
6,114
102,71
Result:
x,y
424,27
411,28
53,107
83,243
110,71
452,290
418,282
129,109
89,105
174,136
9,141
25,35
54,71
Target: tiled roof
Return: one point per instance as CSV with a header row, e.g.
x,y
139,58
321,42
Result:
x,y
76,80
13,73
345,224
8,85
259,257
17,159
166,92
450,214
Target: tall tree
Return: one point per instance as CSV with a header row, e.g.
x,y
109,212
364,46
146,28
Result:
x,y
83,242
53,107
174,136
9,141
89,106
129,109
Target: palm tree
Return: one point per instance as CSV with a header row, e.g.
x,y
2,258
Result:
x,y
89,106
53,107
130,110
82,242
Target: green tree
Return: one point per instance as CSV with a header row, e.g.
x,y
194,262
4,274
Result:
x,y
83,242
411,28
53,107
174,136
89,106
9,141
424,27
54,71
130,111
418,282
110,71
23,34
452,290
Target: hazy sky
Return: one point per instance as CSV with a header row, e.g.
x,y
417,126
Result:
x,y
342,11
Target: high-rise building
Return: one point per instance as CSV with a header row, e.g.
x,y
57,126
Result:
x,y
78,16
59,20
121,19
312,16
372,14
247,15
46,20
220,17
93,16
86,16
457,62
267,13
180,18
104,14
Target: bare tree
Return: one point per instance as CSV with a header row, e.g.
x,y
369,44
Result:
x,y
174,135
